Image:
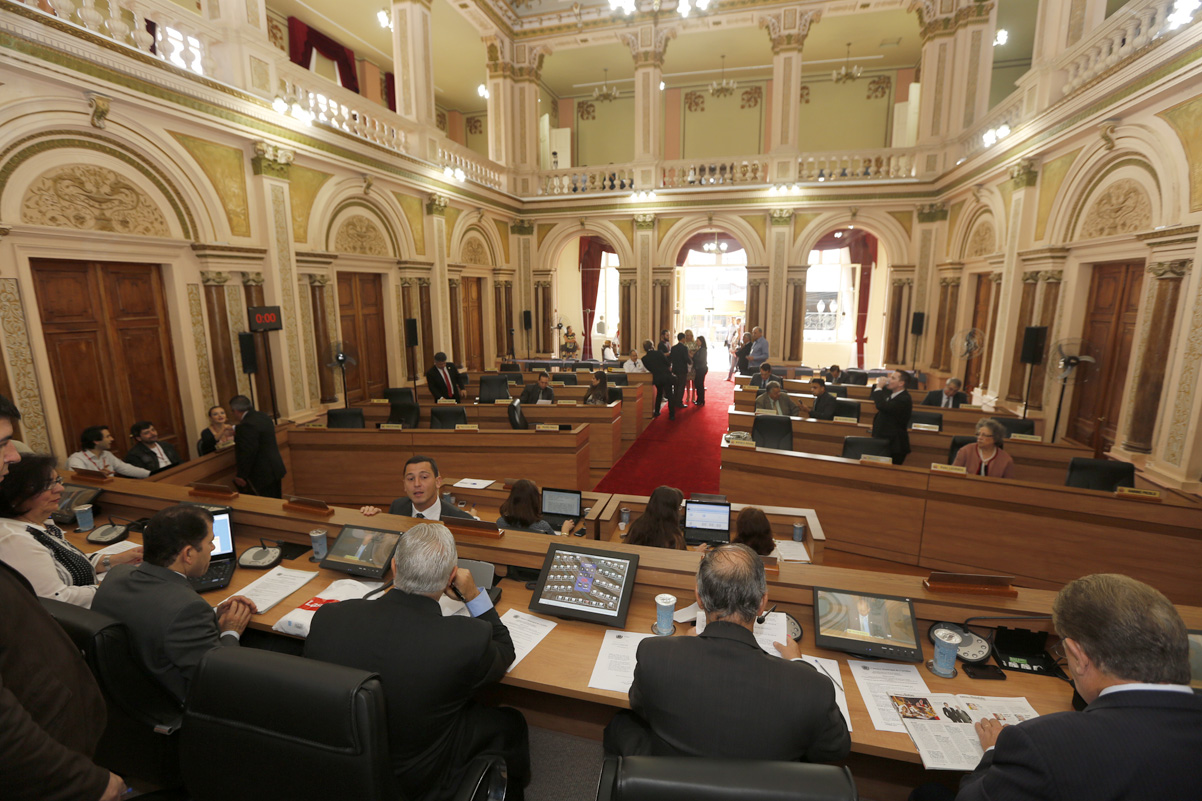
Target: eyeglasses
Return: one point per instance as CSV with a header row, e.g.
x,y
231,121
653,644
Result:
x,y
57,481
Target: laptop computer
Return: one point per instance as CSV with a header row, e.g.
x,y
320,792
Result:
x,y
706,522
560,505
222,562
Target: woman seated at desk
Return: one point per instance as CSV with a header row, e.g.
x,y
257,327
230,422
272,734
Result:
x,y
775,401
32,544
659,527
985,457
522,510
753,530
598,390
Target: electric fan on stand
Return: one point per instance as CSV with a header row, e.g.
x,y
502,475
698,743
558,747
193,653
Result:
x,y
967,345
1073,361
342,356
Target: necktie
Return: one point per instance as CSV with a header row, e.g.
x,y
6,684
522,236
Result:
x,y
446,377
947,401
420,515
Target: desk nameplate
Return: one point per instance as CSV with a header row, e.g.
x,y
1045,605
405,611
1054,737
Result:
x,y
954,469
467,427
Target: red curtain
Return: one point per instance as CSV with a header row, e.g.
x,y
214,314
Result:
x,y
697,242
390,90
303,40
862,251
591,249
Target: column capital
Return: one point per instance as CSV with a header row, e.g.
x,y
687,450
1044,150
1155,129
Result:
x,y
781,217
317,279
1051,276
644,222
522,227
932,212
788,28
252,279
1177,268
211,278
521,62
436,205
648,44
1024,174
1031,277
932,23
995,277
271,160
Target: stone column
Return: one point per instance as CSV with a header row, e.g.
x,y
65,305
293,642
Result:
x,y
323,336
661,299
252,290
929,237
436,325
647,46
543,316
787,29
425,323
225,372
460,357
898,340
1020,219
644,323
795,315
412,59
757,307
632,335
513,75
503,317
957,65
522,238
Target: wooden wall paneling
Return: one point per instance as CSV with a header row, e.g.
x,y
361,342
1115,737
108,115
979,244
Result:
x,y
798,320
458,355
630,339
253,292
545,336
352,337
980,320
225,371
1047,318
953,308
894,325
425,313
322,336
1018,370
1154,360
473,323
406,314
501,326
508,321
986,358
374,353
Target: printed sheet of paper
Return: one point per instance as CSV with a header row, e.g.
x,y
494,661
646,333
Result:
x,y
774,629
118,547
527,631
275,585
830,669
474,483
686,615
298,621
791,551
879,680
614,669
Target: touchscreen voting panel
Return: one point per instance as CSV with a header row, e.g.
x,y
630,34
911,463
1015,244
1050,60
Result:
x,y
706,522
585,584
870,625
362,551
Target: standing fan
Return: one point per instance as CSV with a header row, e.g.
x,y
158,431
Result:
x,y
342,356
1075,361
968,345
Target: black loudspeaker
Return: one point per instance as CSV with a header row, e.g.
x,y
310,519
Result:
x,y
410,332
527,320
250,360
1035,339
918,321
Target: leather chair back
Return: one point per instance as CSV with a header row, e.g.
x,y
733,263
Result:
x,y
568,379
618,379
847,408
141,738
493,388
1016,425
855,447
406,413
511,367
260,724
859,377
803,372
773,431
512,376
927,418
536,366
447,416
648,778
838,390
615,394
345,418
517,420
958,442
1106,475
400,394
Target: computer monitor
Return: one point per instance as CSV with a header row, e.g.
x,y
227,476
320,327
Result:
x,y
362,551
585,584
706,522
562,503
869,625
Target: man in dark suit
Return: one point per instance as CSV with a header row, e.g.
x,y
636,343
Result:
x,y
762,376
824,402
260,466
147,451
541,390
665,342
892,420
950,397
767,708
170,626
431,667
423,494
443,380
679,359
1140,735
657,364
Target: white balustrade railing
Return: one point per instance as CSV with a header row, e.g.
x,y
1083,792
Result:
x,y
310,98
1126,32
693,173
587,180
471,165
859,165
994,127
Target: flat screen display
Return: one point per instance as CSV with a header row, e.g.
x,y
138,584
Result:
x,y
362,551
223,534
706,522
869,625
585,584
565,503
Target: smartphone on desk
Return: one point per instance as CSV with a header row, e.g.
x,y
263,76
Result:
x,y
984,670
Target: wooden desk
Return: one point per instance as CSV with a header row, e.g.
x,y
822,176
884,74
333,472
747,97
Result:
x,y
1043,535
488,500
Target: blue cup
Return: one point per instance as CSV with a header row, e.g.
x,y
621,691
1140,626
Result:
x,y
83,517
665,606
317,538
947,643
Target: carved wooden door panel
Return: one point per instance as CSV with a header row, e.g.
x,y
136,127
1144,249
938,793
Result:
x,y
473,323
361,312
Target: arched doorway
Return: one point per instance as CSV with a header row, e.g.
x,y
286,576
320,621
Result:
x,y
587,300
711,289
838,298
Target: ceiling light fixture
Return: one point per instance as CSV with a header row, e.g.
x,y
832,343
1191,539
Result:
x,y
456,174
1182,14
605,93
385,18
1001,38
715,246
482,90
685,7
624,6
724,87
847,73
993,135
638,197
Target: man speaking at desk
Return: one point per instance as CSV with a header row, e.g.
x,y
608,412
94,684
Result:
x,y
423,494
718,694
539,391
431,667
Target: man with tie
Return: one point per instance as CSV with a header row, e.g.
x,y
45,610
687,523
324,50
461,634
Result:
x,y
950,397
423,494
533,393
443,379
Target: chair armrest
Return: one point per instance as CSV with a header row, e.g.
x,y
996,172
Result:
x,y
485,779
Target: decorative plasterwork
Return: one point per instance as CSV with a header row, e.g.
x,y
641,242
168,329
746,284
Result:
x,y
788,29
224,168
360,234
200,343
781,216
304,184
982,241
879,87
88,197
522,227
1169,269
644,222
26,393
932,212
283,252
474,252
210,278
1122,208
437,205
272,160
1023,174
101,104
648,44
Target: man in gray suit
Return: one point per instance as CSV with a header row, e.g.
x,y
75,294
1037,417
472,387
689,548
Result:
x,y
423,494
171,627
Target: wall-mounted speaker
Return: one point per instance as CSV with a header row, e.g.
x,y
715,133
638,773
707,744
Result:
x,y
410,332
250,360
918,322
1035,339
527,320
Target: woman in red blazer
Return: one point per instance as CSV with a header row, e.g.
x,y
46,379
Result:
x,y
985,457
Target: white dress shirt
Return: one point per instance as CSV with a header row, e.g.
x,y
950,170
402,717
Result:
x,y
84,460
32,560
434,512
634,366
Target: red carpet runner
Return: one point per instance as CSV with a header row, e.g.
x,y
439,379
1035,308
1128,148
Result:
x,y
682,453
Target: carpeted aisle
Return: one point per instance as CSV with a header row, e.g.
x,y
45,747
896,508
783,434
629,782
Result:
x,y
684,453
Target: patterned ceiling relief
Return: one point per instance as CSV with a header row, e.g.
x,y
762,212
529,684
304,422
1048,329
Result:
x,y
1123,207
358,234
91,198
982,242
475,252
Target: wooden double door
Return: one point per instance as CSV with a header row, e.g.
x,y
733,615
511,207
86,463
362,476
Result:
x,y
108,340
361,314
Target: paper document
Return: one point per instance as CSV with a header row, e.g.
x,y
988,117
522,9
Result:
x,y
117,547
452,607
686,615
877,681
544,402
298,621
614,669
791,551
275,585
474,483
941,725
830,669
774,629
527,631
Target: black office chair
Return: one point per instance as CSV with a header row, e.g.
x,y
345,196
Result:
x,y
1016,425
773,431
848,408
405,413
517,420
513,376
592,364
345,418
780,371
447,416
536,366
493,388
650,778
857,377
400,394
618,379
323,728
615,394
141,739
838,390
926,418
958,442
568,379
804,372
511,367
1106,475
855,447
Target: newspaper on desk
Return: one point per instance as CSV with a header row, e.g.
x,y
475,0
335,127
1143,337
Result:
x,y
298,621
941,725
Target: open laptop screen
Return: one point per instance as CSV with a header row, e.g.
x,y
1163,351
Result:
x,y
709,522
565,503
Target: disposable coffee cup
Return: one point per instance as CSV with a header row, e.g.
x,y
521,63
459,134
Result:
x,y
317,538
83,517
665,606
